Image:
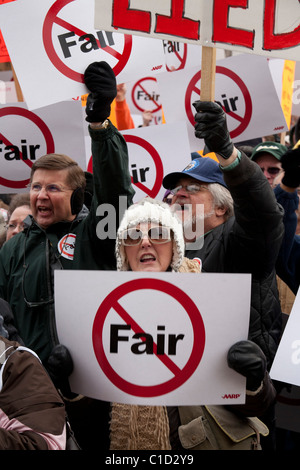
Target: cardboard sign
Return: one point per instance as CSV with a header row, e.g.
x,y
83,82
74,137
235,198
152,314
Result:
x,y
153,338
286,363
153,152
26,135
244,88
270,28
62,40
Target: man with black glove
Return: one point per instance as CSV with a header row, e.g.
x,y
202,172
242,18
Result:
x,y
59,220
243,226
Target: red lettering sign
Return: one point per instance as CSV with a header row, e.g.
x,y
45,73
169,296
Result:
x,y
277,41
126,18
224,33
136,20
177,24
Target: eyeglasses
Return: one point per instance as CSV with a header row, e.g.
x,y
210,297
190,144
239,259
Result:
x,y
156,235
49,188
11,227
272,170
190,188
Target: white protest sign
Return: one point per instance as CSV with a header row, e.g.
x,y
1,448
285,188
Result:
x,y
286,364
143,95
244,88
270,28
153,152
61,42
27,135
153,338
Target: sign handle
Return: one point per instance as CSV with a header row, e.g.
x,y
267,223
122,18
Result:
x,y
17,85
208,73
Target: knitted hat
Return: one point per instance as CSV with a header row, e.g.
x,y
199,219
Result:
x,y
151,210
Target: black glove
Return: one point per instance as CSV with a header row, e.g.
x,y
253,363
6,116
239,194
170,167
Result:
x,y
246,358
101,81
211,126
59,367
290,162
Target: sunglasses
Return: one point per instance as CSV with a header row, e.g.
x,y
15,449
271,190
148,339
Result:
x,y
134,236
190,188
272,170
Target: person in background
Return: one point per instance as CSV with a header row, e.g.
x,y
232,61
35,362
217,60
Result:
x,y
122,112
150,239
288,263
268,157
18,210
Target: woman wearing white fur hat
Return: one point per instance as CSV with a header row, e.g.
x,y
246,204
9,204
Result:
x,y
150,238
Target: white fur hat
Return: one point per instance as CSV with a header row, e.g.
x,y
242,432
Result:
x,y
151,210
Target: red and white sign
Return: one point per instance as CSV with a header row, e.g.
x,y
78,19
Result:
x,y
245,89
154,152
153,338
270,28
63,41
26,135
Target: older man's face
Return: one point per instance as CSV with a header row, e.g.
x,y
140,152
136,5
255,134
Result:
x,y
50,197
194,207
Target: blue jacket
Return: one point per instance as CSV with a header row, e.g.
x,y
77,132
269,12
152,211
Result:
x,y
288,262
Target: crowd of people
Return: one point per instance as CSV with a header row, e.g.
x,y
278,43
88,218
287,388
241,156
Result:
x,y
249,225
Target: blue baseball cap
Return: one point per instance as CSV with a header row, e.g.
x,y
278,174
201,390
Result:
x,y
202,169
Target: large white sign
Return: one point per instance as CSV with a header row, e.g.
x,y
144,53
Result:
x,y
270,28
245,89
153,338
52,42
286,365
27,135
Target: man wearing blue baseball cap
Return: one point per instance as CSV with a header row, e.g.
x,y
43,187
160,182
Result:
x,y
242,222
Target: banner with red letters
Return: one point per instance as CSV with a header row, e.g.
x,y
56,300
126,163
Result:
x,y
270,28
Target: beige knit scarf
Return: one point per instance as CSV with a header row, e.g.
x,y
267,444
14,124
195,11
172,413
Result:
x,y
139,427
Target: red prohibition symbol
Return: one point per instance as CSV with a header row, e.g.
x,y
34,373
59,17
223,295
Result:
x,y
243,121
180,376
43,128
52,18
157,161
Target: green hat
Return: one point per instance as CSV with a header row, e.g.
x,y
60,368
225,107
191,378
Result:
x,y
274,148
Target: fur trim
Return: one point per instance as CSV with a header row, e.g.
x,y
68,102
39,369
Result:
x,y
155,211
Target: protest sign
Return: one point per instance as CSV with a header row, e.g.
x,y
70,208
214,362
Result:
x,y
153,338
286,363
153,152
63,42
244,88
26,135
270,28
143,95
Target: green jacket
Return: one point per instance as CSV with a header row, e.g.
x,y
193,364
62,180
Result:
x,y
28,260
